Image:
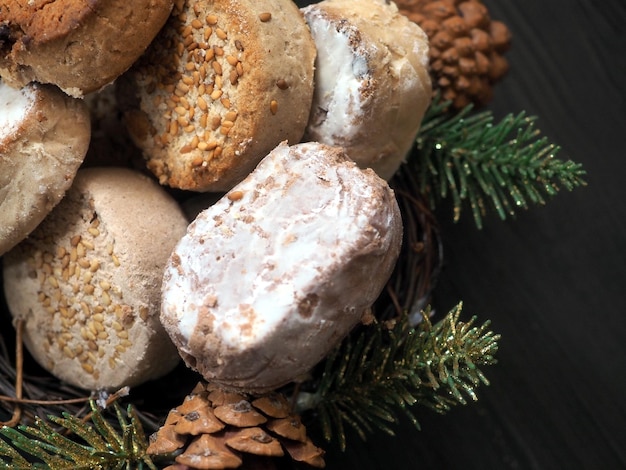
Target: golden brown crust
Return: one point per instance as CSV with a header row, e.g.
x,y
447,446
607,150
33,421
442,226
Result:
x,y
79,45
219,88
44,21
41,148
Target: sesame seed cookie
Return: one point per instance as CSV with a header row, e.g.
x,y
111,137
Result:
x,y
223,83
87,282
270,278
78,45
44,136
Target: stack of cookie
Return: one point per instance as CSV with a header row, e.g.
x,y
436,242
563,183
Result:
x,y
295,118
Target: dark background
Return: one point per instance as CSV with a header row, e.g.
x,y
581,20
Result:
x,y
551,280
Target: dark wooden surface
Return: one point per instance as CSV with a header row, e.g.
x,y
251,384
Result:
x,y
553,281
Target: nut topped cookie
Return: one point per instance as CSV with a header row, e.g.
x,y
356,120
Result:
x,y
223,83
87,282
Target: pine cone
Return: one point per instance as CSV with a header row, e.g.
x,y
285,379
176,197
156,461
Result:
x,y
466,47
214,429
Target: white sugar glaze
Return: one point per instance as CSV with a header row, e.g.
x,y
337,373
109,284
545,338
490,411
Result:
x,y
269,278
14,107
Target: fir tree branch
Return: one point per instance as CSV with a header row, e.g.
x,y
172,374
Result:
x,y
387,369
507,165
94,446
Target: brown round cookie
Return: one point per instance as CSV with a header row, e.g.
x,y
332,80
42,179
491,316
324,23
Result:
x,y
44,136
222,84
87,282
78,45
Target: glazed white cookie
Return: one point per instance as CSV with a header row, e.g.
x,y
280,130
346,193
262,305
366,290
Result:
x,y
87,282
372,85
271,277
44,136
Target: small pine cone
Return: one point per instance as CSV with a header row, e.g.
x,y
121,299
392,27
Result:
x,y
466,47
215,429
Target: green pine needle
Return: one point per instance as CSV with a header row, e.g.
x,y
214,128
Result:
x,y
385,370
92,446
507,165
